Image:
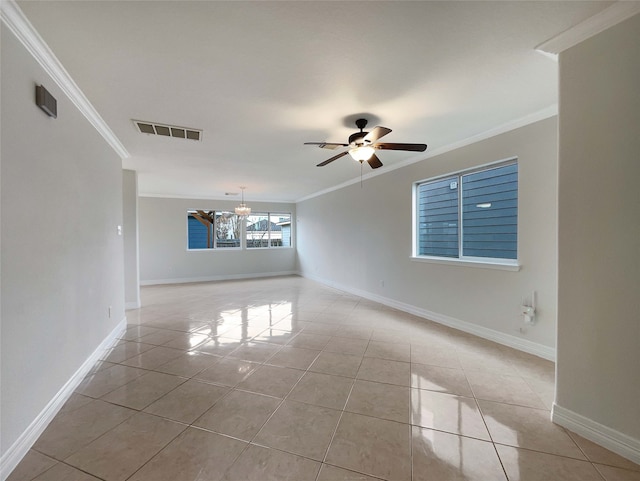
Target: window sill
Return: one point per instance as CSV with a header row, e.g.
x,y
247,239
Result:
x,y
466,263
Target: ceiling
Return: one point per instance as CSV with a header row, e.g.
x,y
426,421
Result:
x,y
260,78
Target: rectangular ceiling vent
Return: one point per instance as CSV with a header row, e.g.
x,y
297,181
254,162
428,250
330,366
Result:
x,y
168,130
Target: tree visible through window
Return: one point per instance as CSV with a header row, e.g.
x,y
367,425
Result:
x,y
469,215
268,230
212,229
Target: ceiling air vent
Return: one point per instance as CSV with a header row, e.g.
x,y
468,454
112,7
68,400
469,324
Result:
x,y
168,130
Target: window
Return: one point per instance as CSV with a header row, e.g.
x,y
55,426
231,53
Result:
x,y
268,230
471,215
212,229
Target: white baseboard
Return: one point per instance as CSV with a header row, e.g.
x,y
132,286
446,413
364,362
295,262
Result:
x,y
229,277
132,305
613,440
530,347
19,449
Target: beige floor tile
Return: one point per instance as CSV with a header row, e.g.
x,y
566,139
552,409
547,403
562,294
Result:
x,y
345,345
228,372
322,324
188,401
74,402
188,364
263,464
389,335
440,379
383,401
447,412
611,473
309,341
385,371
135,332
100,383
242,332
524,465
355,332
527,428
485,362
160,336
337,364
62,472
99,366
393,351
372,446
332,473
144,390
545,390
122,451
294,357
72,430
125,351
322,390
239,414
33,464
503,388
219,346
532,367
275,336
255,351
597,454
186,341
271,380
153,357
443,356
443,456
194,455
288,429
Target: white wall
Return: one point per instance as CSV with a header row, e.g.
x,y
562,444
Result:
x,y
61,262
163,245
130,239
599,235
356,237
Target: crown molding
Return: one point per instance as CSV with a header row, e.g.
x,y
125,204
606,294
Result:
x,y
206,197
613,15
16,21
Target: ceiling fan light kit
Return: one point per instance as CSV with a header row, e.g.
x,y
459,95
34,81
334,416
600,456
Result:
x,y
363,153
362,145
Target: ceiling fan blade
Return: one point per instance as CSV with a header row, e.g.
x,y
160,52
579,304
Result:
x,y
374,162
326,145
409,147
376,133
322,164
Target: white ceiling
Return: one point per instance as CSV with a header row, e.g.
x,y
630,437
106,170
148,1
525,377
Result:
x,y
260,78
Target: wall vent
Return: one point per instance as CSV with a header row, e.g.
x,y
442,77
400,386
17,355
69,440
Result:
x,y
168,130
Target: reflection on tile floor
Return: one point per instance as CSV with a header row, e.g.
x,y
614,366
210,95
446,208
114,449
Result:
x,y
284,378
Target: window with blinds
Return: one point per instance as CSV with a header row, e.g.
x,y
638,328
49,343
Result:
x,y
469,215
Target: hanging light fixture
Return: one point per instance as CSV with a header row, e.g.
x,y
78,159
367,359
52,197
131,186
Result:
x,y
362,153
242,210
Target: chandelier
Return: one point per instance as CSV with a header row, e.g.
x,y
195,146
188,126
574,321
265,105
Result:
x,y
242,210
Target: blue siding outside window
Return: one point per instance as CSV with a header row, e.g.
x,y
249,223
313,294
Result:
x,y
438,218
197,234
490,213
484,202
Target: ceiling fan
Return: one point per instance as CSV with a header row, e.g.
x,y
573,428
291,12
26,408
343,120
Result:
x,y
362,145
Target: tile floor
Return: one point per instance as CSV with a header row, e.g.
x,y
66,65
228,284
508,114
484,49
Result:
x,y
285,379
